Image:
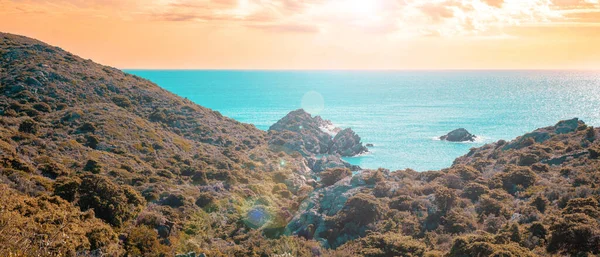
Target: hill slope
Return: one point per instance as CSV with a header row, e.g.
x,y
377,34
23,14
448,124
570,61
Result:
x,y
126,153
96,162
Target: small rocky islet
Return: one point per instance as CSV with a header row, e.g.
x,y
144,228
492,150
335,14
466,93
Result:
x,y
97,162
458,135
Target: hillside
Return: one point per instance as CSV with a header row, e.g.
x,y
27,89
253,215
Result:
x,y
85,140
97,162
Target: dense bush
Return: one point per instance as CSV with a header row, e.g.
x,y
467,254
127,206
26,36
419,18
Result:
x,y
331,176
360,209
143,241
474,190
390,244
575,234
205,199
28,126
113,203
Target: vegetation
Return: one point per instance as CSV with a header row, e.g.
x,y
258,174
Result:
x,y
96,162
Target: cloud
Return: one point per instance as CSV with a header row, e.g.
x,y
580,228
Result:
x,y
288,28
443,18
494,3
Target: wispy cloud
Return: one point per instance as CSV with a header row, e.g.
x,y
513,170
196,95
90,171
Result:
x,y
443,18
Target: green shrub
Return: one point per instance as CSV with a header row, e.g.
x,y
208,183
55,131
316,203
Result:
x,y
390,244
331,176
92,166
575,234
205,199
122,101
360,209
67,187
474,190
144,241
28,126
113,203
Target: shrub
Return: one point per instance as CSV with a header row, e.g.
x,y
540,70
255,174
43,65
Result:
x,y
466,172
538,230
87,128
100,237
516,179
487,206
173,200
205,199
444,199
92,166
91,141
401,203
360,209
575,234
122,101
485,246
527,159
143,241
113,203
390,244
331,176
375,176
474,190
588,206
456,222
540,203
28,126
66,187
52,170
42,107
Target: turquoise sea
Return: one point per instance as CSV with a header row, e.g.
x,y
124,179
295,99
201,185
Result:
x,y
400,112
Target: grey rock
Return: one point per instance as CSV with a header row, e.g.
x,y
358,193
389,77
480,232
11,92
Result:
x,y
567,126
347,143
458,135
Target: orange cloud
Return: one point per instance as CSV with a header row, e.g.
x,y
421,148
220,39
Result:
x,y
295,33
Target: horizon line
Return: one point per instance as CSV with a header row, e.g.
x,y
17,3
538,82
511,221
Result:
x,y
230,69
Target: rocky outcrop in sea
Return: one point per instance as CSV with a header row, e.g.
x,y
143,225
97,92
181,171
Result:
x,y
299,131
459,135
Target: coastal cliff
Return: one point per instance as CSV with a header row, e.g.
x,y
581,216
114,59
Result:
x,y
97,162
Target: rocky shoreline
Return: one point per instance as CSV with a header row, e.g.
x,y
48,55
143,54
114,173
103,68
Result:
x,y
97,162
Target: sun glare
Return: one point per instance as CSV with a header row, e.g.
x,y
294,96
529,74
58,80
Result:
x,y
363,8
355,9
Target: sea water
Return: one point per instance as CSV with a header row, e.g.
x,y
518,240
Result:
x,y
400,112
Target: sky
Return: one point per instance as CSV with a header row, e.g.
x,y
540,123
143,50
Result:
x,y
316,34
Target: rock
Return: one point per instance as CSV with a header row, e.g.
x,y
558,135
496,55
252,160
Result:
x,y
369,145
538,136
299,131
318,164
33,82
347,143
312,222
567,126
458,135
314,218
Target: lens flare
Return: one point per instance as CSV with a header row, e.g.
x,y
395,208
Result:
x,y
313,102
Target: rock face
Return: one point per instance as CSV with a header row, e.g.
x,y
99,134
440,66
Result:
x,y
314,222
458,135
299,131
347,143
330,161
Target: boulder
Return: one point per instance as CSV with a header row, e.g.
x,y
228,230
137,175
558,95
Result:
x,y
567,126
347,143
299,132
458,135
